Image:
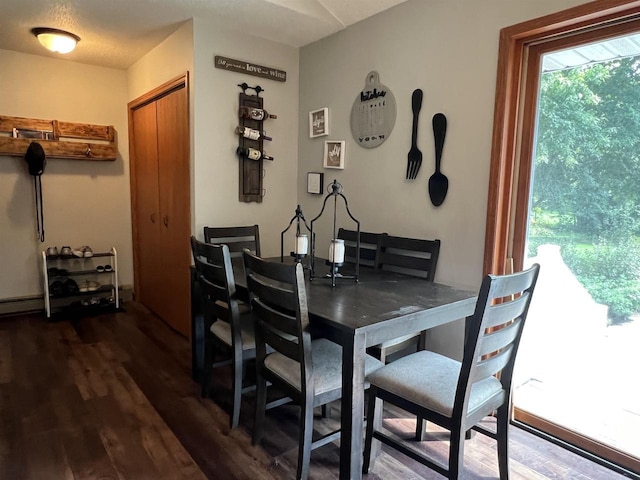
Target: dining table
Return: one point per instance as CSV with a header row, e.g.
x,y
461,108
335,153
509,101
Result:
x,y
381,305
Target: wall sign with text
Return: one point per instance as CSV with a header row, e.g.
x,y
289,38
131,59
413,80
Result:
x,y
373,114
249,68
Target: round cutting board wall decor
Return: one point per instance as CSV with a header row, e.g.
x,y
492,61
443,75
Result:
x,y
373,114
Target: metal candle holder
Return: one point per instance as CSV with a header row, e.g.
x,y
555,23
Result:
x,y
298,218
335,191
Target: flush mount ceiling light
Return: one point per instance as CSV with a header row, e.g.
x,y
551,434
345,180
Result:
x,y
56,40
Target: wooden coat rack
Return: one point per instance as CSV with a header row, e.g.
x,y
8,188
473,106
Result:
x,y
59,139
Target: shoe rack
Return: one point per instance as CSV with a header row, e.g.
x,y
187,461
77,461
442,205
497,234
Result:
x,y
75,141
96,289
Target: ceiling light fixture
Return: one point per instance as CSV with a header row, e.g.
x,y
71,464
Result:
x,y
56,40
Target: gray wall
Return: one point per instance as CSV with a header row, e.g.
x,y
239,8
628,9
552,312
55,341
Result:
x,y
449,49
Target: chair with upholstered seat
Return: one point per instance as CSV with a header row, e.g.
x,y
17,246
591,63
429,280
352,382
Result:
x,y
309,371
228,327
409,256
236,238
458,395
369,246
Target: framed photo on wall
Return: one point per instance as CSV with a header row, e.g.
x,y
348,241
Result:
x,y
319,123
315,182
334,154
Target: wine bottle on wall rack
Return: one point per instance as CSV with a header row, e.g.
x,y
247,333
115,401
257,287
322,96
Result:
x,y
252,153
255,113
251,134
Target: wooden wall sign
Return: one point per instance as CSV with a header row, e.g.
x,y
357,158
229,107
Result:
x,y
250,68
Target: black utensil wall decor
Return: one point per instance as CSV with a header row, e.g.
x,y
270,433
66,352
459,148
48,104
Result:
x,y
414,159
438,183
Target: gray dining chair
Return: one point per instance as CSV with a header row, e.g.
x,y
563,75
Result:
x,y
308,371
409,256
228,327
458,395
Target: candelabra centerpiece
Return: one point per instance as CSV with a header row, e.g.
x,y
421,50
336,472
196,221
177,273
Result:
x,y
336,247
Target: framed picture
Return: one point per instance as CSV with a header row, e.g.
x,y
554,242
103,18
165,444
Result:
x,y
315,182
319,123
334,154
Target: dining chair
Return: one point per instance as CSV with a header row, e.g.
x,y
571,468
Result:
x,y
236,238
308,371
228,327
459,395
410,256
369,246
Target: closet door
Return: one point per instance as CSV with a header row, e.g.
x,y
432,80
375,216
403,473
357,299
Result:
x,y
159,130
175,225
146,214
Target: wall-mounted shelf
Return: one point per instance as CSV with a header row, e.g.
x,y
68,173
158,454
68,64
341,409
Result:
x,y
59,139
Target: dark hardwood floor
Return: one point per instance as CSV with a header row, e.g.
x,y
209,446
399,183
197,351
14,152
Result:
x,y
111,397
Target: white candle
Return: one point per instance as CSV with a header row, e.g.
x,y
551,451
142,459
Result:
x,y
336,251
302,244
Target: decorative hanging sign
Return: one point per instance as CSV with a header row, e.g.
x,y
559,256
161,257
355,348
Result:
x,y
373,114
250,68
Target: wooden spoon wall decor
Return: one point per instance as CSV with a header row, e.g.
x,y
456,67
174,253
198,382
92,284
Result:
x,y
438,183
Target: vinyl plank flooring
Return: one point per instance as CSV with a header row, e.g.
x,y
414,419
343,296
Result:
x,y
111,397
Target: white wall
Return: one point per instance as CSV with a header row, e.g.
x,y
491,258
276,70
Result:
x,y
216,172
85,202
449,49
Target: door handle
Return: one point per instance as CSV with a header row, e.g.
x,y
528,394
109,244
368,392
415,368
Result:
x,y
165,220
153,218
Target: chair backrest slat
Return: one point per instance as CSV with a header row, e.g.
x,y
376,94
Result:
x,y
369,246
501,313
492,365
498,339
411,256
236,238
495,330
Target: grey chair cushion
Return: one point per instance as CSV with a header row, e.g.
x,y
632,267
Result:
x,y
222,330
430,380
327,366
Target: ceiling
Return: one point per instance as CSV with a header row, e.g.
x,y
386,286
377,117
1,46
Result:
x,y
116,33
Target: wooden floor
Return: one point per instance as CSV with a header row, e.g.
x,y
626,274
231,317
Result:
x,y
111,397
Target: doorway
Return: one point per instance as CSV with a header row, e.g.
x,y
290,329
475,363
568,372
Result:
x,y
160,186
522,48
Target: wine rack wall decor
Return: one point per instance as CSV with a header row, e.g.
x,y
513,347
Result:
x,y
251,144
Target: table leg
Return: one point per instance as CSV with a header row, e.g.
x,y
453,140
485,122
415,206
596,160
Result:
x,y
197,330
352,415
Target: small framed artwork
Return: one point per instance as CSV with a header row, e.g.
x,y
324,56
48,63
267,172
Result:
x,y
334,154
315,182
319,123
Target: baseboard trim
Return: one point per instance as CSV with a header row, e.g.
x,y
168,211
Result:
x,y
35,303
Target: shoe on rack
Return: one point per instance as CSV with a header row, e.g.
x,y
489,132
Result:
x,y
71,287
89,286
66,252
52,252
57,288
87,251
108,268
100,268
78,252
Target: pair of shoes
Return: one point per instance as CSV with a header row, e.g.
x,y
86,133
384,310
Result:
x,y
60,288
84,251
104,268
89,286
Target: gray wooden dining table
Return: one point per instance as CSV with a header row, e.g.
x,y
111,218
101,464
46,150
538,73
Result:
x,y
381,306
